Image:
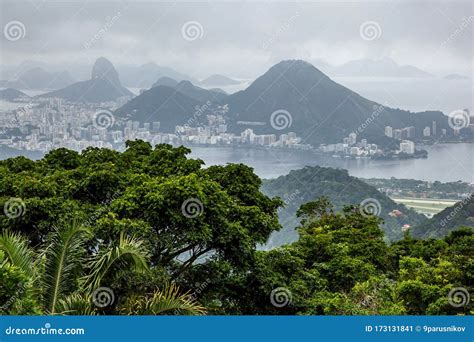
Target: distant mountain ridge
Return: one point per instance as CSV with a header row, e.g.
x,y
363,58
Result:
x,y
218,81
103,86
164,104
456,77
385,67
189,89
321,110
11,94
165,81
144,76
38,78
200,94
172,105
374,68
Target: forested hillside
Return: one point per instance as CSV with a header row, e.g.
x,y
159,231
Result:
x,y
310,183
459,215
150,231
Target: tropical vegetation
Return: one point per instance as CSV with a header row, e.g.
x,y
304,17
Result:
x,y
150,231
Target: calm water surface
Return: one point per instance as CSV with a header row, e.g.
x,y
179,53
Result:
x,y
446,162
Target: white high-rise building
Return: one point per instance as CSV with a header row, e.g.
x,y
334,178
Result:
x,y
389,131
407,146
427,131
352,138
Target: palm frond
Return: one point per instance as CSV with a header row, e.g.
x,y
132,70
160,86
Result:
x,y
75,304
17,251
169,301
130,254
63,255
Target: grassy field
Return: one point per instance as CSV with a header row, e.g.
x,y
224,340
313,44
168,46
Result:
x,y
426,205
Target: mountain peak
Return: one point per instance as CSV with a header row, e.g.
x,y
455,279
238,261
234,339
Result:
x,y
103,86
294,63
218,80
104,69
165,81
298,72
300,62
185,83
298,68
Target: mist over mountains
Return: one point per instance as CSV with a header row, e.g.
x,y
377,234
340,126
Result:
x,y
38,78
320,110
10,94
37,75
103,86
384,67
144,76
218,81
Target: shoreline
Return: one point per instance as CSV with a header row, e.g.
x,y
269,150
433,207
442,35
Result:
x,y
274,162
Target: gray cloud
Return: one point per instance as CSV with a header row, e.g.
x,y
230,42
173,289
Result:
x,y
240,39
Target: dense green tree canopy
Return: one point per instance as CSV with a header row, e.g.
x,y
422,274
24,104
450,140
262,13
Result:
x,y
142,192
183,214
167,235
341,265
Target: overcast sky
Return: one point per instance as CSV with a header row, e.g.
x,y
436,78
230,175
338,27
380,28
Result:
x,y
241,39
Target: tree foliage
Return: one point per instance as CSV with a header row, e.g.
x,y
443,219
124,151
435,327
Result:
x,y
167,236
341,266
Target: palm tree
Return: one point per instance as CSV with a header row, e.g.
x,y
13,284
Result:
x,y
63,278
165,301
61,260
